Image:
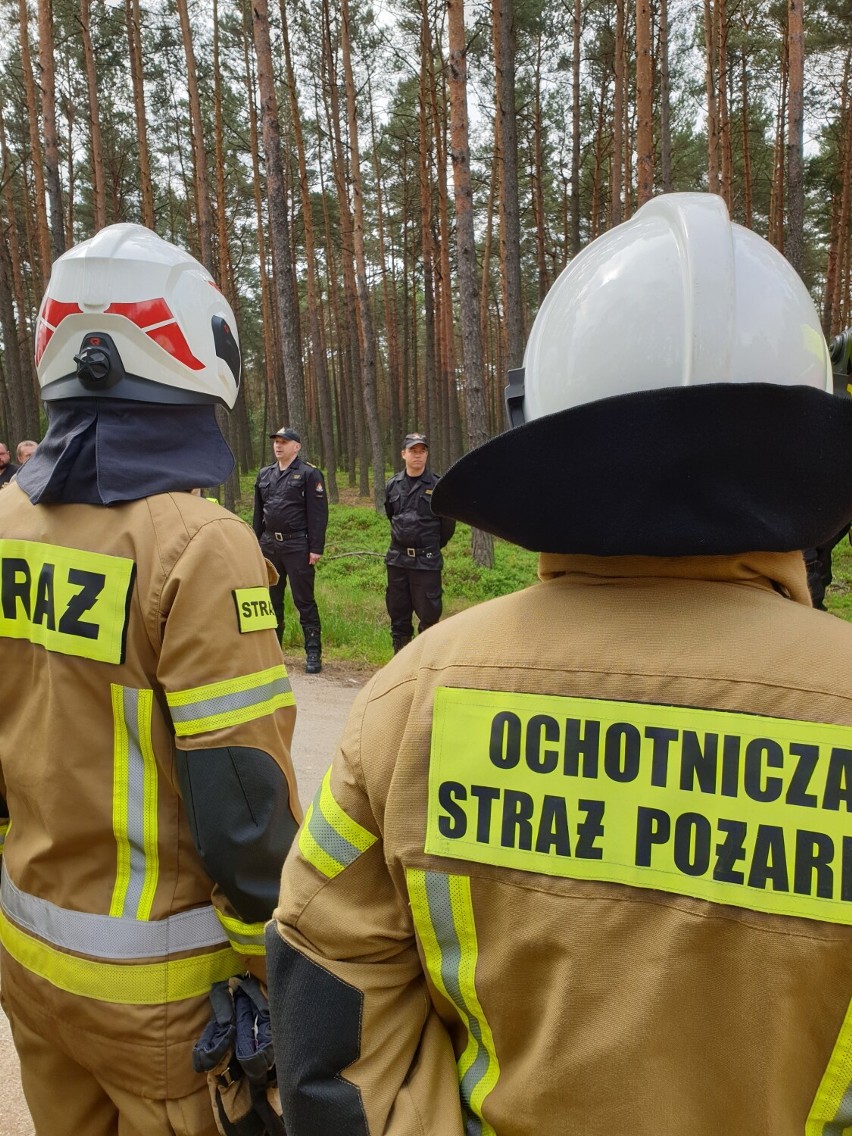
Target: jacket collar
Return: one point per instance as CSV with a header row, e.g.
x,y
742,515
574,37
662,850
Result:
x,y
776,571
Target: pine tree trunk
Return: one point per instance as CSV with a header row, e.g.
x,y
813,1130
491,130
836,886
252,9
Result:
x,y
334,117
134,38
616,177
279,224
482,543
795,137
710,81
47,84
644,105
95,147
665,101
510,217
576,39
326,420
42,228
747,178
365,310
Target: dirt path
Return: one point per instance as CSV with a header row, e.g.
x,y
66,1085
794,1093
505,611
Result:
x,y
323,701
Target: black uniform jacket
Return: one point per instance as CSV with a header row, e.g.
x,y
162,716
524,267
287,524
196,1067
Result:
x,y
417,535
291,502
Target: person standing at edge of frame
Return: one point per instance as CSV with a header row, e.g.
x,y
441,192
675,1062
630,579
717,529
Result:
x,y
290,521
581,863
147,797
414,559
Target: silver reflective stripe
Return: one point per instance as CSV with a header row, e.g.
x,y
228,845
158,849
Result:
x,y
332,842
225,703
108,937
441,912
135,805
843,1119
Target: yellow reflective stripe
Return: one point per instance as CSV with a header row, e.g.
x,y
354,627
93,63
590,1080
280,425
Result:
x,y
442,909
121,762
231,702
831,1112
4,828
134,804
313,853
245,938
67,600
133,984
150,787
330,839
341,822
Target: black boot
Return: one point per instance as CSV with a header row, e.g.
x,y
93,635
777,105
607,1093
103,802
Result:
x,y
313,654
400,641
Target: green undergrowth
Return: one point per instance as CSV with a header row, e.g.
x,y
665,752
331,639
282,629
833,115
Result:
x,y
838,598
350,583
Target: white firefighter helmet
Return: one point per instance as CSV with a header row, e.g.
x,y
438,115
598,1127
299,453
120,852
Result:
x,y
675,400
128,315
675,297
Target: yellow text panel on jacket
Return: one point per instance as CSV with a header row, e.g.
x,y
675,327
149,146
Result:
x,y
66,599
732,808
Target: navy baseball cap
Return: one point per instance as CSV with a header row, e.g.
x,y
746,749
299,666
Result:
x,y
287,434
415,440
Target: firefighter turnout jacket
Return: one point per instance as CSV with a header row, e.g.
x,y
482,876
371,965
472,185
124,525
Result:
x,y
290,503
417,535
137,645
582,863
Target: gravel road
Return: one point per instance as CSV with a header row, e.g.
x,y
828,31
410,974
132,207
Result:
x,y
323,701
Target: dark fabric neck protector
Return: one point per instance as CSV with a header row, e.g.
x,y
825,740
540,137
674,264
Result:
x,y
690,471
100,452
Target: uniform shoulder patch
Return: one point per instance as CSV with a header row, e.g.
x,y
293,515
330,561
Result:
x,y
254,609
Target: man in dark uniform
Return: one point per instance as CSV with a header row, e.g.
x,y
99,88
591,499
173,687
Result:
x,y
7,468
414,559
290,519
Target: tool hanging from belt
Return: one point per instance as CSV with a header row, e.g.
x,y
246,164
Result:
x,y
235,1051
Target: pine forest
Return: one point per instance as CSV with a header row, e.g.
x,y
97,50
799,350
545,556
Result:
x,y
386,191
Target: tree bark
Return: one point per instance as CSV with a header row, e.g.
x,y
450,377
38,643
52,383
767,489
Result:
x,y
134,39
95,147
644,105
795,137
510,220
365,310
42,228
279,223
51,134
482,543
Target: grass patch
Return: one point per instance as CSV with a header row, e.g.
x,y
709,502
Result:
x,y
351,580
350,584
838,597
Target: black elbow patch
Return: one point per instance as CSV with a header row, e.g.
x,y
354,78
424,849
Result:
x,y
316,1027
238,807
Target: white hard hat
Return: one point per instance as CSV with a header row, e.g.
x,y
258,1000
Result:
x,y
675,297
675,400
128,315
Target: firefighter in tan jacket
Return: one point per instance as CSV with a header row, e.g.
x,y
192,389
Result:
x,y
146,713
582,862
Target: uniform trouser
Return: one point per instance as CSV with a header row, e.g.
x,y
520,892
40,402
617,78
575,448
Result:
x,y
65,1099
412,590
290,557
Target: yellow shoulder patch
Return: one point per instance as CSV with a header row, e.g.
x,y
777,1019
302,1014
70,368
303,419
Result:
x,y
254,609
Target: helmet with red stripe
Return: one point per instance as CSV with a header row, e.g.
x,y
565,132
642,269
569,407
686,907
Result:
x,y
128,315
